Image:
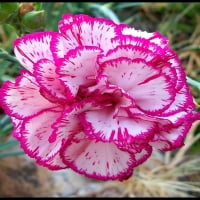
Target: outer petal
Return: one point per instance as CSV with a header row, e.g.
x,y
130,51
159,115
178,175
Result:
x,y
177,118
17,124
141,151
151,54
54,163
79,68
35,136
183,101
67,19
121,40
82,30
162,55
154,37
151,90
90,31
33,47
128,51
142,156
163,122
175,63
44,71
97,159
171,139
101,125
23,99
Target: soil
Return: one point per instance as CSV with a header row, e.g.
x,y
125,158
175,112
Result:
x,y
21,177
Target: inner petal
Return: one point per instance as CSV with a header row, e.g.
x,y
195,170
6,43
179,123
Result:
x,y
44,71
79,68
103,126
151,89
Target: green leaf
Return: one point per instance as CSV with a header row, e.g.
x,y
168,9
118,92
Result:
x,y
107,12
8,154
128,4
6,130
5,55
6,9
193,82
4,120
8,144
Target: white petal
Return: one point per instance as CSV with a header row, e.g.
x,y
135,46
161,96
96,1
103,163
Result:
x,y
102,125
23,99
35,136
33,47
151,90
97,159
79,68
44,71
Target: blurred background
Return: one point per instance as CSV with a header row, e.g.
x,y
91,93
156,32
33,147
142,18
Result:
x,y
169,174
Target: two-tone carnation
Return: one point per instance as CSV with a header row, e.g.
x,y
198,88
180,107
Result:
x,y
97,97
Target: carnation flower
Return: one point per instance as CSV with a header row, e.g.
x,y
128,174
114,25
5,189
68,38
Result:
x,y
97,97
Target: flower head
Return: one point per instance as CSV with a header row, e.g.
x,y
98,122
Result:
x,y
97,97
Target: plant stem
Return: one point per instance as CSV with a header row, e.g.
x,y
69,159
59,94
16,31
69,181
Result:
x,y
8,144
106,11
4,120
7,56
193,82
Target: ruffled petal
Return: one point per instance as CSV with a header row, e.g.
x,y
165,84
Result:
x,y
32,47
35,134
128,51
23,99
154,37
68,124
54,163
60,46
44,71
79,68
142,156
177,118
97,159
171,139
110,95
141,151
67,19
183,101
124,40
161,55
171,57
88,31
17,124
141,81
82,30
103,126
162,123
